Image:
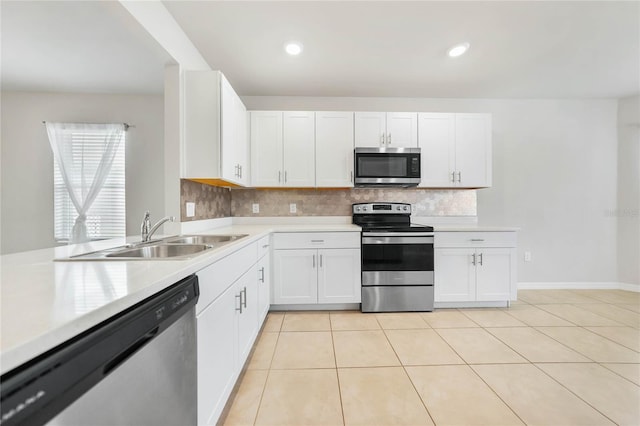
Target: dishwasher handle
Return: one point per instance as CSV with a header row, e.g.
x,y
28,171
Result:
x,y
128,352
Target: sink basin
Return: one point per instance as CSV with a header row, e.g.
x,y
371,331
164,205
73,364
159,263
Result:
x,y
160,251
203,239
177,247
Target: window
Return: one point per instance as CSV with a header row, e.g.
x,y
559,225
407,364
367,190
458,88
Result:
x,y
106,216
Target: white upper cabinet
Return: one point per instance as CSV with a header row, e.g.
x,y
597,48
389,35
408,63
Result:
x,y
282,149
298,137
456,150
334,149
266,148
215,137
386,129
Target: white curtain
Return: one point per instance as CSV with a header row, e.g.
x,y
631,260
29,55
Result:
x,y
83,180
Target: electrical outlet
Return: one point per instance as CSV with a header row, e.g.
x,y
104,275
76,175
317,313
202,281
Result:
x,y
255,208
191,209
527,256
414,208
293,208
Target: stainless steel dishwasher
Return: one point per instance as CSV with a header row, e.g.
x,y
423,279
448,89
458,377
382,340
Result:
x,y
136,368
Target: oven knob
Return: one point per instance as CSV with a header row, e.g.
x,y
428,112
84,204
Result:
x,y
398,208
357,209
364,208
405,208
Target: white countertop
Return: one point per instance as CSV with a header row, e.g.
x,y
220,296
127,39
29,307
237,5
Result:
x,y
44,303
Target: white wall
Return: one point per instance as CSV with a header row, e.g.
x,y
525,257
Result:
x,y
27,161
628,212
554,175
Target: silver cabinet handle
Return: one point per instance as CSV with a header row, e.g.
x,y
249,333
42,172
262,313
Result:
x,y
314,261
382,139
476,239
480,259
265,246
473,262
262,274
239,296
279,176
459,176
453,176
351,177
285,176
240,167
317,241
321,261
244,303
389,140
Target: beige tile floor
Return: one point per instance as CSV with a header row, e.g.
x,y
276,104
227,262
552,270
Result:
x,y
555,357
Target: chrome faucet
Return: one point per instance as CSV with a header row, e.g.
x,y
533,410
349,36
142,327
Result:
x,y
146,230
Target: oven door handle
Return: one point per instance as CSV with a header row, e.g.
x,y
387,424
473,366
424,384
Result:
x,y
397,234
396,240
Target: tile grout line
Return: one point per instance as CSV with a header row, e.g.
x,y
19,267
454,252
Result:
x,y
384,332
335,360
266,380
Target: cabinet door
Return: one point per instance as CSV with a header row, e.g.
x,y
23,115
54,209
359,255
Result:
x,y
455,279
339,276
370,129
436,138
334,149
473,150
217,355
242,146
266,148
247,287
402,130
295,276
264,287
494,274
229,131
299,147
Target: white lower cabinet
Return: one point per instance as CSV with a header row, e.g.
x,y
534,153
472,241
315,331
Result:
x,y
475,267
228,318
264,278
304,274
295,277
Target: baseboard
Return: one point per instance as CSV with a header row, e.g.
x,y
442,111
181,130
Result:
x,y
630,287
578,285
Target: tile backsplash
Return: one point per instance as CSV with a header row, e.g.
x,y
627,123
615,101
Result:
x,y
216,202
337,202
212,202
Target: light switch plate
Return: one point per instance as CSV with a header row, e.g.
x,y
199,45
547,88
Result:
x,y
293,208
527,256
191,209
255,208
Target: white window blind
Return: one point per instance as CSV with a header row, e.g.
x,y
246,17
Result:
x,y
106,216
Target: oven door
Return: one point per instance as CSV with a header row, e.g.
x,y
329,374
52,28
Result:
x,y
403,258
381,167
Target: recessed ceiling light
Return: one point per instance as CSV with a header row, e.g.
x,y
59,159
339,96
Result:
x,y
293,48
458,49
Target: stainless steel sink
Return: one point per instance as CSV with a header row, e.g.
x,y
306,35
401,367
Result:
x,y
203,239
171,248
160,251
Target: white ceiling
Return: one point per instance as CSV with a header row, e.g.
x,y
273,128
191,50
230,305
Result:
x,y
393,48
78,46
361,48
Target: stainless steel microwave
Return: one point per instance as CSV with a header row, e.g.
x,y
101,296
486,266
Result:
x,y
387,167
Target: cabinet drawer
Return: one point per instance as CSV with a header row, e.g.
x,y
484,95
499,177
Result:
x,y
475,239
264,244
304,240
216,278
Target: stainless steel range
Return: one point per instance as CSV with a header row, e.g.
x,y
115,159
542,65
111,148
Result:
x,y
397,259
